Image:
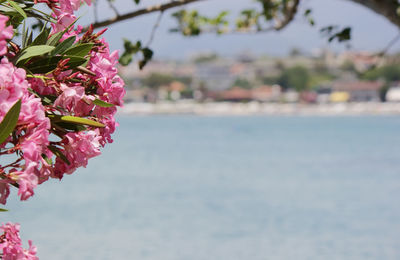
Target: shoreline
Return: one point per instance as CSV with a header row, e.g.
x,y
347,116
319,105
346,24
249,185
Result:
x,y
256,108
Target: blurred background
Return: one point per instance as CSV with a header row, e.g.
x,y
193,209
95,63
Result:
x,y
270,146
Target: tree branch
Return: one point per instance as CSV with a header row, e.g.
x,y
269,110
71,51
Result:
x,y
386,8
155,27
147,10
288,15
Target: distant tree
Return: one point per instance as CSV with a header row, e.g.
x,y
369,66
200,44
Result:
x,y
206,58
295,77
348,66
294,52
388,73
242,83
155,80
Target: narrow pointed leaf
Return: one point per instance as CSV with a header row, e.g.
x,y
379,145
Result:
x,y
81,121
57,152
41,39
48,64
102,103
3,210
33,51
67,43
80,50
9,121
18,8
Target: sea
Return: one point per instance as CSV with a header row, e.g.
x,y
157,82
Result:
x,y
226,188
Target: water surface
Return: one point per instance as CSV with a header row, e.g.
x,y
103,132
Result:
x,y
238,188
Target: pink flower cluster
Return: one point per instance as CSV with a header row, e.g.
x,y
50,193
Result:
x,y
6,33
32,131
74,94
11,245
44,144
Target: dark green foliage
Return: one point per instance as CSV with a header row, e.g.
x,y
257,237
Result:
x,y
388,73
242,83
295,77
333,32
132,50
155,80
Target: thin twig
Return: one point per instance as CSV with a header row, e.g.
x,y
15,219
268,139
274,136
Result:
x,y
289,13
390,44
113,8
96,15
155,27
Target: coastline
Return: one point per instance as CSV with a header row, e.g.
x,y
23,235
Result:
x,y
256,108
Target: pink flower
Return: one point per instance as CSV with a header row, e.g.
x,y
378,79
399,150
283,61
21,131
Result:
x,y
6,33
74,100
13,86
11,245
33,138
78,148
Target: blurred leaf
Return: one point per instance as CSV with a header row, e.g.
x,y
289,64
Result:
x,y
18,8
81,121
102,103
3,210
47,159
9,121
75,120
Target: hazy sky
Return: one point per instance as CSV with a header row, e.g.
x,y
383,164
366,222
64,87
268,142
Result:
x,y
370,31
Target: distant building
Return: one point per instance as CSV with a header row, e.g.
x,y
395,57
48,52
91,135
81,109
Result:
x,y
266,93
339,97
290,96
214,76
359,91
393,94
235,94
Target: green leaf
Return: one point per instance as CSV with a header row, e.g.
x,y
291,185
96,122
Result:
x,y
70,126
67,43
102,103
55,38
9,121
47,159
81,121
18,8
33,51
75,120
48,64
3,210
80,50
41,39
57,152
28,39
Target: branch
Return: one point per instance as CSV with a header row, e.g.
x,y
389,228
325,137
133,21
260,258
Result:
x,y
386,8
390,44
147,10
155,27
289,14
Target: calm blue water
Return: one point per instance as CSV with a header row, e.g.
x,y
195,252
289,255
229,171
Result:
x,y
237,188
